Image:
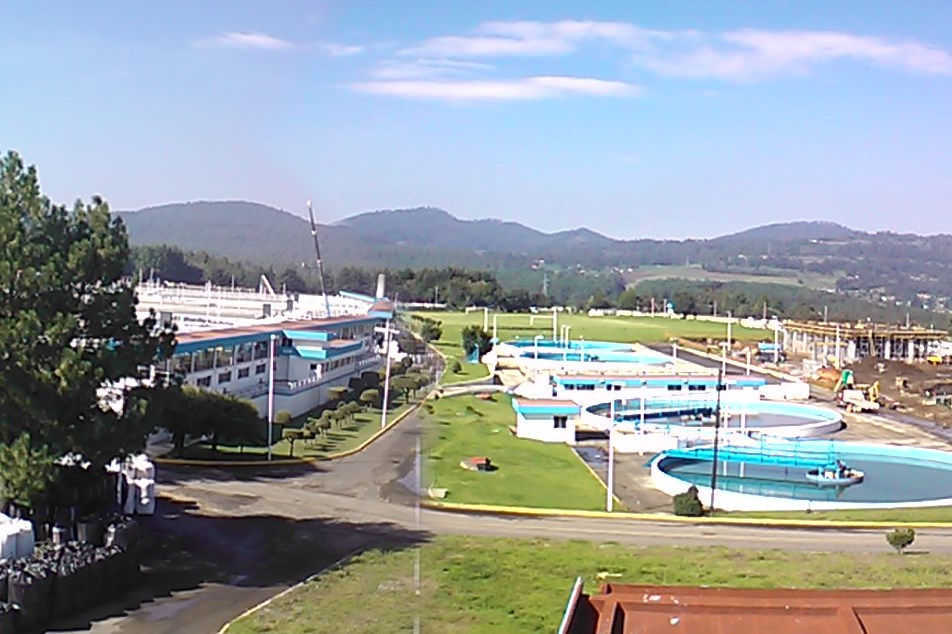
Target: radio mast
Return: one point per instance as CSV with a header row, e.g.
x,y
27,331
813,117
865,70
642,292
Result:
x,y
317,258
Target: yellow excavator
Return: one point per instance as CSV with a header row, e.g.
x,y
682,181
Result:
x,y
856,397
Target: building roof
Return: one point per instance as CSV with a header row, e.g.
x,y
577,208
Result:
x,y
862,329
626,609
258,329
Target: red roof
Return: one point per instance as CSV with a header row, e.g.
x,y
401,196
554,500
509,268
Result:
x,y
627,609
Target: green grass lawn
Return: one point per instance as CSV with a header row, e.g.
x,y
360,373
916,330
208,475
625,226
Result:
x,y
933,514
530,473
621,329
695,272
338,439
505,585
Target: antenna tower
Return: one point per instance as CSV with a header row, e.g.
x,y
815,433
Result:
x,y
317,258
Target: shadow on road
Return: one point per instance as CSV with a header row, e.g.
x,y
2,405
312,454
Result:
x,y
200,571
177,474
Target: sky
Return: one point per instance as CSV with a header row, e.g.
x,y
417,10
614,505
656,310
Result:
x,y
636,119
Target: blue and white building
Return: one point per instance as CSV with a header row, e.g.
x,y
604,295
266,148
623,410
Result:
x,y
309,357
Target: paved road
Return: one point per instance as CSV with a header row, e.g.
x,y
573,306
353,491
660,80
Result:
x,y
250,536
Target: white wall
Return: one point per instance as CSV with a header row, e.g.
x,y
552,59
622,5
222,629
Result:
x,y
542,428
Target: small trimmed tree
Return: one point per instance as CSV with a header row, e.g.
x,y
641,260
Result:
x,y
370,397
337,393
431,331
688,504
901,538
456,367
292,435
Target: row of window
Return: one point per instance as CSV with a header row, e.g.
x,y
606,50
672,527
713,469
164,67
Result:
x,y
219,357
616,387
225,377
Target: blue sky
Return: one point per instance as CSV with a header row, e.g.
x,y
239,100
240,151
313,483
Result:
x,y
637,119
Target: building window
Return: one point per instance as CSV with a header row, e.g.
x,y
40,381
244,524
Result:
x,y
205,381
313,367
261,368
694,387
673,387
224,377
243,373
260,350
559,422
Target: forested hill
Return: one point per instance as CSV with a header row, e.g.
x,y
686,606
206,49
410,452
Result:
x,y
910,268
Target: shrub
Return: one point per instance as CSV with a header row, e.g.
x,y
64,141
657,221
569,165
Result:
x,y
901,538
456,367
688,503
282,417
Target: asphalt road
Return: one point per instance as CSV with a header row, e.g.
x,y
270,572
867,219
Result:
x,y
246,536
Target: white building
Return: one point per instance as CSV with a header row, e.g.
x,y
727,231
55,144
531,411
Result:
x,y
309,357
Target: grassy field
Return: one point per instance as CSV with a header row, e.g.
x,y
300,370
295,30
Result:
x,y
530,473
658,272
338,439
623,329
934,514
477,585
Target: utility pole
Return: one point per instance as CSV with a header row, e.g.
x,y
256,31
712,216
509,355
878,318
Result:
x,y
610,489
717,427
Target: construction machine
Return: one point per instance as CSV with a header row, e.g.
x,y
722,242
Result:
x,y
856,397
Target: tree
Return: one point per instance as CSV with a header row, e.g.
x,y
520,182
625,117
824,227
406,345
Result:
x,y
405,384
68,327
190,411
901,538
431,330
475,338
370,397
688,503
292,435
337,393
455,366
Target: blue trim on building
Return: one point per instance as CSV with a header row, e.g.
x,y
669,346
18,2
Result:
x,y
568,409
310,335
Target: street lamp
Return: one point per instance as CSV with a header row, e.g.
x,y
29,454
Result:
x,y
535,344
610,489
582,349
495,318
386,380
271,393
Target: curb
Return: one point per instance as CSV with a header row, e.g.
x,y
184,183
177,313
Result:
x,y
337,564
489,509
286,462
598,479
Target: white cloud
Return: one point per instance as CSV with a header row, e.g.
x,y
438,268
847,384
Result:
x,y
425,68
752,54
525,38
528,88
341,50
259,41
739,55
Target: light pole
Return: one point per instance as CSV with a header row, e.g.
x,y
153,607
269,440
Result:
x,y
748,361
674,350
717,427
535,345
610,489
729,321
271,393
485,318
582,349
555,322
776,347
386,380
